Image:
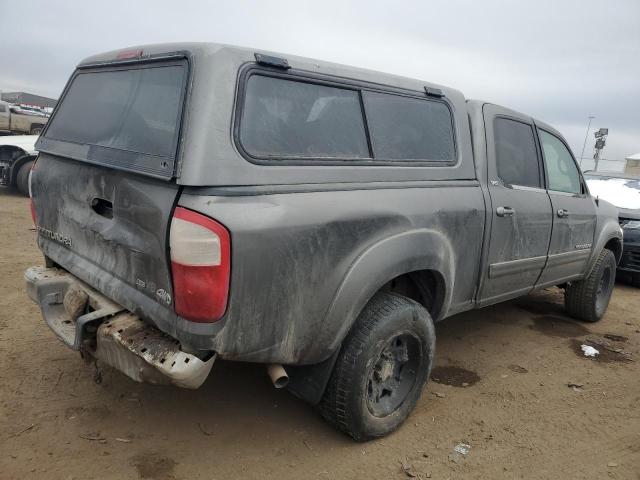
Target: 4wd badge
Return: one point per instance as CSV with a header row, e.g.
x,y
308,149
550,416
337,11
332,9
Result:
x,y
163,296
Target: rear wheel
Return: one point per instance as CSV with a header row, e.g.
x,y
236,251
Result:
x,y
22,178
36,129
588,299
381,369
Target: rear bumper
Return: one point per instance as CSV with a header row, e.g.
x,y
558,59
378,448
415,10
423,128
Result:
x,y
630,261
86,320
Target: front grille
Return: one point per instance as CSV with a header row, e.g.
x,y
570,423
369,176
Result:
x,y
631,258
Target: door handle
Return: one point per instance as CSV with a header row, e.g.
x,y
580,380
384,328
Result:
x,y
505,211
563,213
102,207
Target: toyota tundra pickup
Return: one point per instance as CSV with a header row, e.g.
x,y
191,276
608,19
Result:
x,y
202,201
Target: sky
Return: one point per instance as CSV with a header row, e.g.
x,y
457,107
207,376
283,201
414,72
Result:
x,y
557,60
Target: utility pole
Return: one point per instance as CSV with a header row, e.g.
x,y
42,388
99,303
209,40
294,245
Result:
x,y
591,117
601,141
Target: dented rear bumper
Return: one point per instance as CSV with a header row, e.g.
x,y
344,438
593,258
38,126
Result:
x,y
86,320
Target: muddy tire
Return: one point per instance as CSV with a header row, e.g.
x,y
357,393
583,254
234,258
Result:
x,y
22,178
36,129
588,299
383,364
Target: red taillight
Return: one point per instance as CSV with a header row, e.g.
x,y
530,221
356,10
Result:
x,y
200,264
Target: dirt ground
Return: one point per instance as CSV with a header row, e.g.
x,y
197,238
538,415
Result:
x,y
511,383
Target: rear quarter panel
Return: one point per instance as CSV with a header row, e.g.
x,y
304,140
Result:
x,y
292,252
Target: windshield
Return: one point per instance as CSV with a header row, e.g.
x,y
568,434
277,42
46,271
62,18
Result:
x,y
621,192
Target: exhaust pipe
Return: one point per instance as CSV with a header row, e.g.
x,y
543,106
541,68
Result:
x,y
278,375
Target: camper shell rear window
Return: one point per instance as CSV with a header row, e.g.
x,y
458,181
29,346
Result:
x,y
125,116
289,118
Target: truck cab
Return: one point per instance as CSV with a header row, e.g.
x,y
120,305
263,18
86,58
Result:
x,y
543,219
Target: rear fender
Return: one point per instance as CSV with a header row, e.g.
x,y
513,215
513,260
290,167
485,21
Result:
x,y
380,263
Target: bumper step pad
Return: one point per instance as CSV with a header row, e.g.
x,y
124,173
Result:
x,y
145,354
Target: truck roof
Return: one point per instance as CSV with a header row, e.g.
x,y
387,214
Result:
x,y
475,104
212,92
217,52
208,137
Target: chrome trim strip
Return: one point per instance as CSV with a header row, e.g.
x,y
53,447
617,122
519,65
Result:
x,y
516,266
566,258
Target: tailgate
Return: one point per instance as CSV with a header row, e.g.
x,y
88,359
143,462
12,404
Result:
x,y
110,229
103,185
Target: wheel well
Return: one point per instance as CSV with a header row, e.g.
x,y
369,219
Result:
x,y
15,168
427,287
10,152
615,245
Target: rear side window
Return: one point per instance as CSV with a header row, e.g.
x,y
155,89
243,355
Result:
x,y
516,155
135,110
405,128
561,169
286,118
298,119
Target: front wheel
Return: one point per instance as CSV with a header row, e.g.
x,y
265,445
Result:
x,y
381,369
589,298
36,129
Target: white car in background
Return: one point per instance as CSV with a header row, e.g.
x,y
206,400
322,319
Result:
x,y
17,154
623,191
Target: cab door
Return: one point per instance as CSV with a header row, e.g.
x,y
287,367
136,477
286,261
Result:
x,y
520,207
574,213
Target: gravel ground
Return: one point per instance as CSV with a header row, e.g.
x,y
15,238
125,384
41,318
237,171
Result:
x,y
511,382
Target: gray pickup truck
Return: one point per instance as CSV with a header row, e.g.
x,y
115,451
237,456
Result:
x,y
195,201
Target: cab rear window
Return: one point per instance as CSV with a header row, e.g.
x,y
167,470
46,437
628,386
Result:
x,y
284,119
127,117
